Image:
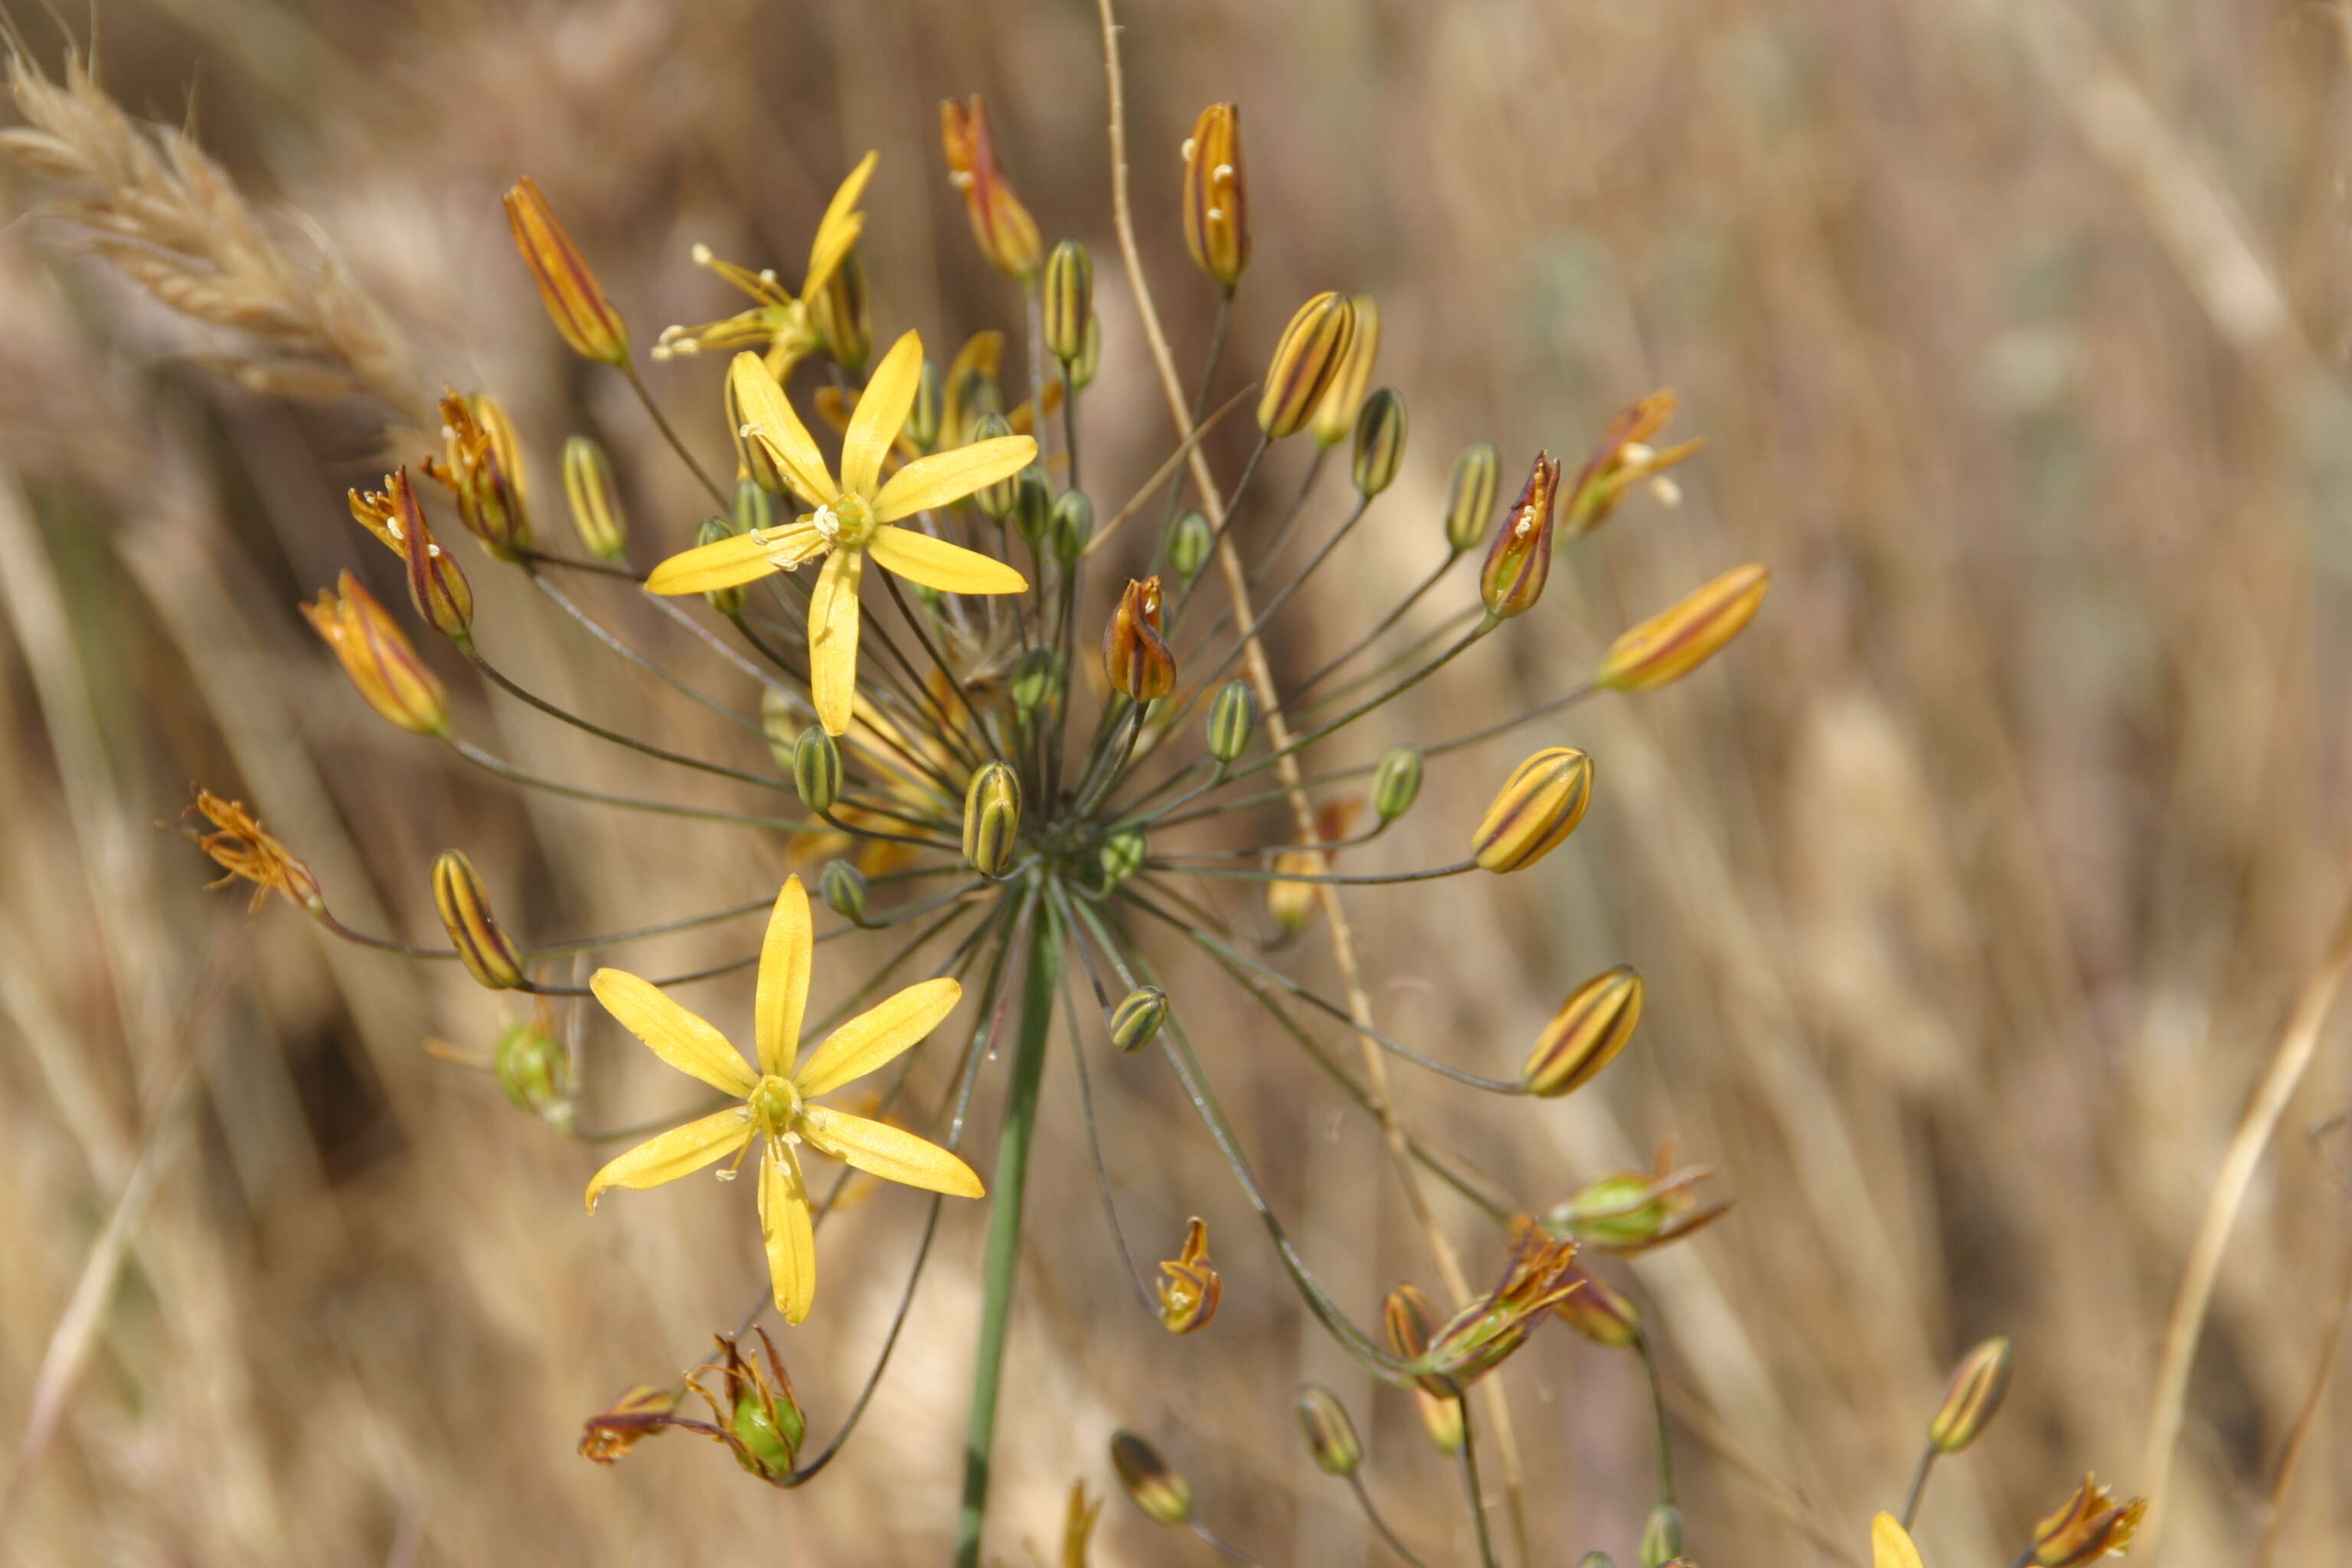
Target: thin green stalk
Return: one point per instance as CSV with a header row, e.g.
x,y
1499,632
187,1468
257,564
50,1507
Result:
x,y
1470,1478
1666,1444
1373,1515
646,397
1918,1477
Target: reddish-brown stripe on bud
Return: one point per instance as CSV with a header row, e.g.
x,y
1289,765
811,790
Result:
x,y
378,657
1585,1036
464,906
1008,236
1313,347
1216,206
1520,558
1978,1386
436,585
1535,811
1674,642
576,301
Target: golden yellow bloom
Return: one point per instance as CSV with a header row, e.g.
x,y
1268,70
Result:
x,y
784,328
2087,1526
1008,236
855,516
242,848
1189,1296
777,1113
575,300
379,657
1890,1545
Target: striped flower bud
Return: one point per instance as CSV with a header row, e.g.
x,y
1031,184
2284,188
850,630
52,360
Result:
x,y
1977,1385
1380,442
1535,811
1122,856
1069,300
1233,718
1071,526
1216,210
816,769
1672,643
1520,559
1891,1545
1337,410
843,311
1331,1435
1396,782
1007,234
463,905
2087,1526
574,302
1309,356
1585,1036
995,501
752,457
843,887
1032,505
1405,1315
1598,1313
481,464
1189,1296
727,602
1088,359
595,500
751,507
1150,1484
1136,1022
534,1070
1470,498
1135,657
436,585
1662,1536
379,658
992,819
1189,544
922,425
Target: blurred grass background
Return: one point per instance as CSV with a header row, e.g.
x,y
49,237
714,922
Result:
x,y
1972,887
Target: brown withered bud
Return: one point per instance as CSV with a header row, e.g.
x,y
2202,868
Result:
x,y
1216,204
242,848
437,585
1520,558
1189,1296
1008,236
482,465
576,301
1978,1386
464,904
1622,457
1479,1337
1135,656
2086,1527
1599,1312
643,1411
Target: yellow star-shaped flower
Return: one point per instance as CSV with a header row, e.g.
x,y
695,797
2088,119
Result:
x,y
776,1113
783,325
854,518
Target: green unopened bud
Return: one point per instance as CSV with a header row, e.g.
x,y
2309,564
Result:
x,y
727,602
1513,577
1662,1536
1069,300
534,1068
816,769
1596,1560
995,501
1036,680
463,905
1396,782
595,501
1073,525
1599,1313
843,887
1309,355
922,425
751,506
1470,498
1232,717
1974,1397
1155,1488
752,459
1089,358
1379,441
1033,504
1585,1036
1535,811
1331,1435
1135,1023
1189,545
1122,856
992,819
844,312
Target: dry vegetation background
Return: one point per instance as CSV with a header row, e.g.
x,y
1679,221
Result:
x,y
1972,887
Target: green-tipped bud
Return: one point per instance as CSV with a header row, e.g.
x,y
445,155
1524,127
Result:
x,y
1073,525
1585,1036
1331,1435
992,819
534,1070
1089,358
751,506
844,312
1036,680
1069,300
1379,441
1662,1536
816,769
1135,1023
752,459
1974,1399
1190,543
996,499
842,886
1601,1314
1155,1488
1032,505
1513,577
1122,856
595,501
1470,498
1674,642
1309,356
1396,782
922,425
1233,718
727,602
463,905
1535,811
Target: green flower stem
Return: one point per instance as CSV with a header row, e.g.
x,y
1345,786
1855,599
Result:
x,y
1918,1477
1283,530
1665,1445
597,629
1009,1186
1364,1498
530,560
1470,1478
1273,607
1093,1132
1466,615
508,770
1217,536
939,662
498,678
1200,404
1373,878
662,420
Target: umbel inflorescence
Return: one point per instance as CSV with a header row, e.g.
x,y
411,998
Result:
x,y
1028,765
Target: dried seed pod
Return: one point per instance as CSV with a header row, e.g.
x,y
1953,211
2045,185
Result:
x,y
1189,1296
1189,544
1470,498
727,602
1662,1536
1069,300
2086,1527
1336,412
1135,657
1136,1022
753,459
1977,1385
242,848
1006,232
1380,442
1071,526
843,887
1232,719
1599,1312
464,904
992,819
436,586
1331,1435
644,1412
595,499
1585,1036
995,501
816,769
843,309
1216,208
1311,350
1674,642
1396,782
1150,1484
379,658
1513,577
575,300
1535,811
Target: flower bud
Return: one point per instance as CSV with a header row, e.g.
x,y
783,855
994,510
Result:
x,y
1155,1488
843,311
596,503
1071,526
1336,412
780,719
574,302
1535,811
1520,559
1216,210
1396,782
1585,1036
922,425
378,658
1631,1211
753,459
1312,349
1890,1545
1232,717
1974,1397
1069,300
1598,1313
1135,657
1032,505
1036,680
481,464
1293,902
1596,1560
843,887
1121,857
1380,442
1189,544
1406,1316
2087,1526
436,585
727,602
992,819
1331,1435
816,769
534,1068
995,501
1189,1296
1470,498
751,507
1136,1022
1007,234
1088,359
1672,643
1662,1536
463,905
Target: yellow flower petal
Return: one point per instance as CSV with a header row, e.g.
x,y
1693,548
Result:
x,y
935,563
886,1151
1890,1545
790,1233
680,1152
770,414
672,1033
945,477
833,639
782,998
873,1037
881,411
838,230
745,558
